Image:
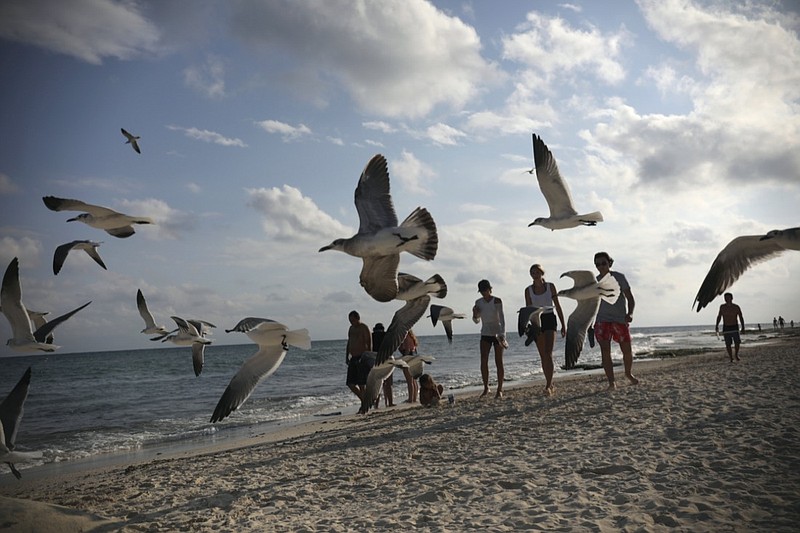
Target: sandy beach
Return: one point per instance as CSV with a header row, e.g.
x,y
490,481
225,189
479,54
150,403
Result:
x,y
701,444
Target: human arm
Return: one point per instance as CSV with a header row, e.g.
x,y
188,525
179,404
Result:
x,y
631,304
741,318
719,317
501,319
527,297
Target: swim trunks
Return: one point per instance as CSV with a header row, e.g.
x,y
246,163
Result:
x,y
608,331
731,334
491,339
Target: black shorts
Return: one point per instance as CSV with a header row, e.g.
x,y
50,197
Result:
x,y
549,322
731,334
358,370
491,339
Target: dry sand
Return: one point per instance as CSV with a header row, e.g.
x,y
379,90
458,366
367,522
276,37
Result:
x,y
700,445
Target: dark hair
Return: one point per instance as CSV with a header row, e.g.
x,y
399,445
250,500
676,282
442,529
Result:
x,y
378,327
538,267
604,254
355,315
484,285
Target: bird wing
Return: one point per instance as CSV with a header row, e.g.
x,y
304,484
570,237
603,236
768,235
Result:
x,y
144,312
263,363
406,281
577,324
448,330
12,407
739,255
436,310
379,276
60,256
127,135
524,317
42,332
186,326
66,204
402,321
91,249
11,303
251,323
554,189
121,232
580,277
198,357
373,199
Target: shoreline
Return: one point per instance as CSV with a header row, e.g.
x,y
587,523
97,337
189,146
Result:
x,y
670,452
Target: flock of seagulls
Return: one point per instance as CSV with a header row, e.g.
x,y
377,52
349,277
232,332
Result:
x,y
378,243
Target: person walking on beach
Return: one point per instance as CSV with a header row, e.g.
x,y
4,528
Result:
x,y
781,322
409,347
774,323
731,314
541,293
378,333
359,340
488,310
612,322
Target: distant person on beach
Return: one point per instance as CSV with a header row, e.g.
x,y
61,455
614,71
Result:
x,y
730,314
612,322
409,347
430,393
378,333
774,323
541,293
359,340
781,322
488,310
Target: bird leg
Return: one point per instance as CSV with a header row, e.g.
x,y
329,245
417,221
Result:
x,y
404,240
14,470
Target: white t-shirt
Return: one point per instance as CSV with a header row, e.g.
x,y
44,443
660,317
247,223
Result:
x,y
492,320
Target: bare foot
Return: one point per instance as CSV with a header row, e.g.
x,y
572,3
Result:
x,y
633,379
499,394
737,358
612,385
485,392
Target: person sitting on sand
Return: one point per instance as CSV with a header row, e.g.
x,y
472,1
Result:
x,y
730,313
430,392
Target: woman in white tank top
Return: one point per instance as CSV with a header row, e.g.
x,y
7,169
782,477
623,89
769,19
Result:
x,y
540,293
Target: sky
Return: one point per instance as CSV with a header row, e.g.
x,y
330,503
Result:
x,y
678,119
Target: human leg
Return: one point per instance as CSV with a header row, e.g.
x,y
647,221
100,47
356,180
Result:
x,y
627,361
485,346
388,394
410,383
498,361
608,364
545,344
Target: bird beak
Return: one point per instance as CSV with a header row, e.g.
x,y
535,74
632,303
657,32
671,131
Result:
x,y
325,248
72,219
531,224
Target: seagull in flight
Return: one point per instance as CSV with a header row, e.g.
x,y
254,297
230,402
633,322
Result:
x,y
132,140
380,240
588,291
273,341
10,416
556,192
62,251
379,373
24,339
739,255
445,315
191,333
116,224
416,364
529,322
410,287
402,321
150,326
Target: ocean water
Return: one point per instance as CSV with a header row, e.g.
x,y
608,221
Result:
x,y
86,405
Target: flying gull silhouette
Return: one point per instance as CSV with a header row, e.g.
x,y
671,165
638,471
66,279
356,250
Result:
x,y
556,192
273,341
739,255
380,240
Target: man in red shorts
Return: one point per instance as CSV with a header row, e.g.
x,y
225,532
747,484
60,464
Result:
x,y
612,322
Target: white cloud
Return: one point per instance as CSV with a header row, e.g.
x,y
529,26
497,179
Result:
x,y
412,173
394,58
287,131
26,249
209,136
208,78
549,45
379,125
194,187
170,223
290,216
444,135
89,30
7,185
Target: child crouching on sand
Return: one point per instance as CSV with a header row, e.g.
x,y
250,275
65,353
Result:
x,y
429,391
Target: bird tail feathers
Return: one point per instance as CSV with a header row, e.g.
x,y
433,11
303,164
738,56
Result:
x,y
299,338
426,242
436,286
